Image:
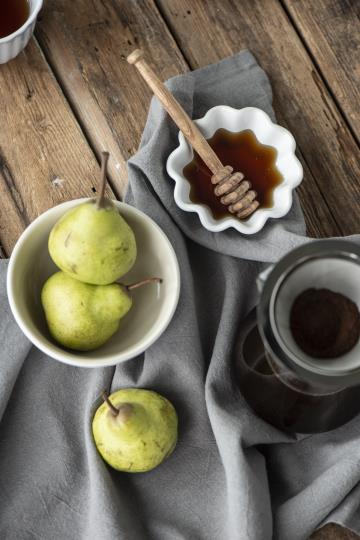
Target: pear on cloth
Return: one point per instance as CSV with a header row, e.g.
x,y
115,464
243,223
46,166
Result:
x,y
135,430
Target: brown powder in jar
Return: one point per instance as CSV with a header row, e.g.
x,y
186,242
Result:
x,y
324,324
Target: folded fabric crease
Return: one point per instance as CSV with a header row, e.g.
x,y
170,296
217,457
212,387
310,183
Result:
x,y
232,476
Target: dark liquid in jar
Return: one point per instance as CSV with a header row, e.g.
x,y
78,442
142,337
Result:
x,y
284,407
245,154
13,14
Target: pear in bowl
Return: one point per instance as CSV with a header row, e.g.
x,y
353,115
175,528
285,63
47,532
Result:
x,y
81,316
152,307
94,246
92,242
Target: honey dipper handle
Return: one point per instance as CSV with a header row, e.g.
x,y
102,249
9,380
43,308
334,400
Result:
x,y
177,113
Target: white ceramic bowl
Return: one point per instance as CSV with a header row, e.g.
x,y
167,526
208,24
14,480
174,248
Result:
x,y
30,266
13,44
266,132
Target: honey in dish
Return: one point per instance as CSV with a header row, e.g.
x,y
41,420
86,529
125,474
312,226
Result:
x,y
245,154
13,14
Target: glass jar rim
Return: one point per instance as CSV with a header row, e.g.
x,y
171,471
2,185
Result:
x,y
314,372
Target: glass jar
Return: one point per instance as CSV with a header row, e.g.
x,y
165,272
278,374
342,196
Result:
x,y
287,388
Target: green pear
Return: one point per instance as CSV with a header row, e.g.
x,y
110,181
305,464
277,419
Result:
x,y
92,242
82,316
135,430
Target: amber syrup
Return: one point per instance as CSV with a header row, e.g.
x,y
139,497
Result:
x,y
13,14
245,154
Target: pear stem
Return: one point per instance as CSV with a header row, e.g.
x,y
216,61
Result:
x,y
101,195
112,407
143,282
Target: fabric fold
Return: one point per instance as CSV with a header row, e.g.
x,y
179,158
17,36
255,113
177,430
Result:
x,y
232,475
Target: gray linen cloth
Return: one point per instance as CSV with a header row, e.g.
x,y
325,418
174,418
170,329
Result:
x,y
232,476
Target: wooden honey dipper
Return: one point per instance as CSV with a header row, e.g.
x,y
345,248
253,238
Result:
x,y
234,191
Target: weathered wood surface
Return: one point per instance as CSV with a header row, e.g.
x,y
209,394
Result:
x,y
207,31
56,126
44,157
331,31
108,92
334,532
87,49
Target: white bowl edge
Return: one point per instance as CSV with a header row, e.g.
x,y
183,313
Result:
x,y
14,43
72,357
34,12
238,120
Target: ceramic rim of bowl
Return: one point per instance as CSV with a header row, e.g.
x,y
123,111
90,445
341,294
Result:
x,y
73,358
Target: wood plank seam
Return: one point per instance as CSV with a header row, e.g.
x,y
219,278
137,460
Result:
x,y
99,106
74,113
323,198
45,158
101,101
10,184
168,24
320,73
163,15
105,128
2,251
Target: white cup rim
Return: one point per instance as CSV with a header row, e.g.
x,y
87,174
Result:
x,y
33,14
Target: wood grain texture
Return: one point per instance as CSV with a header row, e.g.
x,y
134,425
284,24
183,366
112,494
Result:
x,y
331,31
51,161
210,30
44,157
87,50
334,532
13,216
86,43
185,124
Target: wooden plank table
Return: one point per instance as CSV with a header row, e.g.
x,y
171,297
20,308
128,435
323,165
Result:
x,y
71,94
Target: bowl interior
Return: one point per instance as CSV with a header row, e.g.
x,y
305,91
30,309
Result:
x,y
267,133
153,305
332,273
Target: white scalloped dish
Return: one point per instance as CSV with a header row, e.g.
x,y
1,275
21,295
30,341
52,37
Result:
x,y
267,133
